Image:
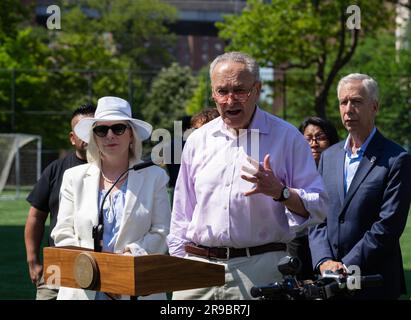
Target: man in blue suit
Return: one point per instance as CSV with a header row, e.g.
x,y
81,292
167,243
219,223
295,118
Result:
x,y
368,179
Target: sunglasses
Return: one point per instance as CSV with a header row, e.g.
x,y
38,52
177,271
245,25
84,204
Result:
x,y
118,129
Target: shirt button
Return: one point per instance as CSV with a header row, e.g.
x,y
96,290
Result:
x,y
228,184
341,221
225,207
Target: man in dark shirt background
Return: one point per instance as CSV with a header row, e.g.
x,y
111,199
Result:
x,y
44,199
174,167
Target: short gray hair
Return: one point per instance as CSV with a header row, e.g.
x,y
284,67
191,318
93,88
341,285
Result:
x,y
370,85
93,152
250,63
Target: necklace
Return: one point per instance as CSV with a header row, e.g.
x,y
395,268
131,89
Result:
x,y
112,181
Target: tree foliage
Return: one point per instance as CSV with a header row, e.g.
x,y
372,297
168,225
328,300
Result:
x,y
12,14
103,48
202,93
168,96
138,28
300,34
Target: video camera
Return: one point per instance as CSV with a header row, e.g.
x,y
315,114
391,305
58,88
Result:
x,y
328,285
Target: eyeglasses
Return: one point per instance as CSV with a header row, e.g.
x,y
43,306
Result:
x,y
240,95
118,129
320,137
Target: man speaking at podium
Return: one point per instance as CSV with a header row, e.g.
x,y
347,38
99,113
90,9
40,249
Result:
x,y
136,213
231,209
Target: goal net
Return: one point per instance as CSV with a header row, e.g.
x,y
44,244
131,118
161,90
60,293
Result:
x,y
20,163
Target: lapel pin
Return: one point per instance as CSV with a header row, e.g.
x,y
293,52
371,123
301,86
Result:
x,y
372,159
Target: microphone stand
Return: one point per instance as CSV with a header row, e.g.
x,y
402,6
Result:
x,y
98,230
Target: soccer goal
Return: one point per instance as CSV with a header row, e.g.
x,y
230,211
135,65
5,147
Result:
x,y
20,163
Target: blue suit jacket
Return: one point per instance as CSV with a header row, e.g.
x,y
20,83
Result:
x,y
363,227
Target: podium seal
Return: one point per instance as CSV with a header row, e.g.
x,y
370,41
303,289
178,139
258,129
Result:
x,y
85,270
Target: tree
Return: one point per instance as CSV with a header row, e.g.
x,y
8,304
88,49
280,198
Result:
x,y
138,28
46,74
52,74
20,87
168,96
300,34
202,93
12,13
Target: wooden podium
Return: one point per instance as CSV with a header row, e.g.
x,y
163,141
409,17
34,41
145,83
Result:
x,y
128,275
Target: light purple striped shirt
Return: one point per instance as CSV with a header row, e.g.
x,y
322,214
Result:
x,y
209,206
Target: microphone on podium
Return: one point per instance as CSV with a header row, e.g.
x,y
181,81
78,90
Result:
x,y
98,230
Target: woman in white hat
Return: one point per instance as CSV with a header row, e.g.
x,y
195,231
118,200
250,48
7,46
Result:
x,y
136,212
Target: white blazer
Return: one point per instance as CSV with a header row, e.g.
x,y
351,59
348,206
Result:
x,y
145,223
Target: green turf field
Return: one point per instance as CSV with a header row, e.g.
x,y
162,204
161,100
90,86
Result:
x,y
14,279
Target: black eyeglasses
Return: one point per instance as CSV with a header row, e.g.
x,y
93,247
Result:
x,y
118,129
320,137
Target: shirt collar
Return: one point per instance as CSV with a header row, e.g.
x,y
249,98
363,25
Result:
x,y
361,150
258,122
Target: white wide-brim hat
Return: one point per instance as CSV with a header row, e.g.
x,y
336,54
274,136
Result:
x,y
112,109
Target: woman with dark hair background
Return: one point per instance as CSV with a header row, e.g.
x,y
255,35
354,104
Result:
x,y
320,134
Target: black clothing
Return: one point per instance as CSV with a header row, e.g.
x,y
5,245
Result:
x,y
173,168
299,247
45,194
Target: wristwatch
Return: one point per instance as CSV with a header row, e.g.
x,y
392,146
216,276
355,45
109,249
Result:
x,y
285,194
